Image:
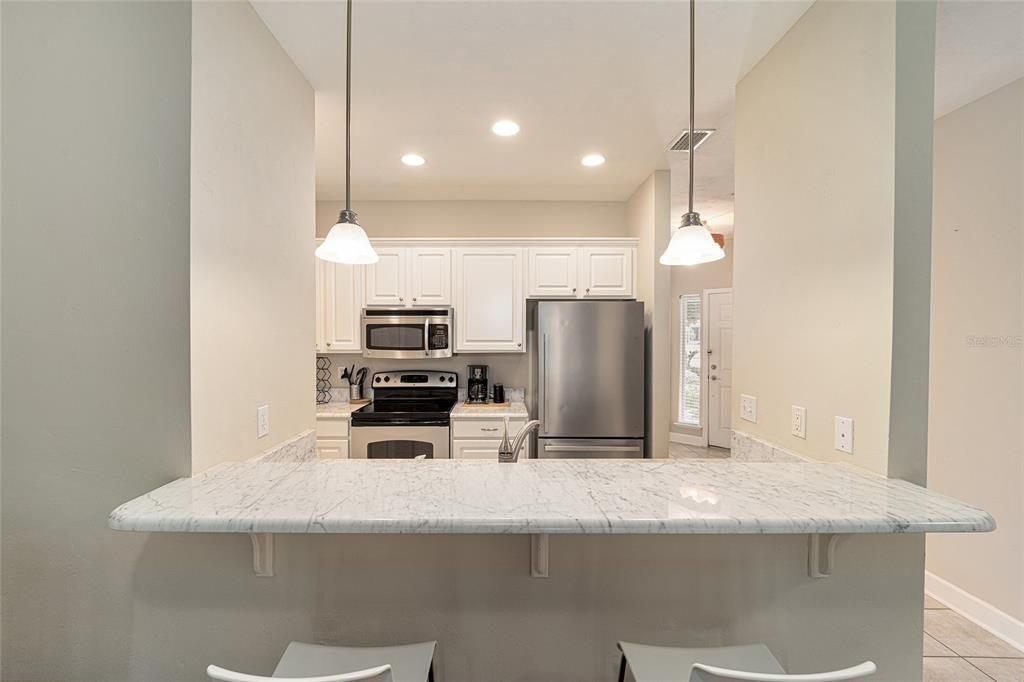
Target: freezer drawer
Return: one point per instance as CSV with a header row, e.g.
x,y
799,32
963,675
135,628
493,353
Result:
x,y
590,448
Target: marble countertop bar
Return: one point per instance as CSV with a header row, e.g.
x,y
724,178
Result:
x,y
544,496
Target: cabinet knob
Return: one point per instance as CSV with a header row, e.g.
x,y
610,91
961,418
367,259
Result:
x,y
413,299
574,290
520,344
328,344
400,299
588,290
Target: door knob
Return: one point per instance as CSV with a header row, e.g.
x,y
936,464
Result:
x,y
714,366
714,378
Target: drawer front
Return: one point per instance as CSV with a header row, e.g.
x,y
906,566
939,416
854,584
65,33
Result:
x,y
475,449
331,428
485,428
332,448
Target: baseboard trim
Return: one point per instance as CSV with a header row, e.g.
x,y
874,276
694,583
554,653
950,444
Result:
x,y
1001,624
686,439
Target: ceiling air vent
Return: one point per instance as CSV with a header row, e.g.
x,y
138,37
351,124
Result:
x,y
682,143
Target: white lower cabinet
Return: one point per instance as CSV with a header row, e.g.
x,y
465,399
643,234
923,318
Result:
x,y
490,299
480,438
332,448
332,438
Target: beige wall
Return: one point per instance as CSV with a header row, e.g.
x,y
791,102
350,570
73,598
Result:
x,y
95,320
818,183
253,216
685,281
648,215
481,218
976,434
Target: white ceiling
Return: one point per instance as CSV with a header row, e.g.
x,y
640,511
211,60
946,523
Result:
x,y
579,76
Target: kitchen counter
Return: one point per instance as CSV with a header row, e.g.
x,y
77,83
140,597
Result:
x,y
514,409
544,496
337,410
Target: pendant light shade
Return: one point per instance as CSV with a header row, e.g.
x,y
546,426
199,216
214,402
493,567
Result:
x,y
347,241
692,243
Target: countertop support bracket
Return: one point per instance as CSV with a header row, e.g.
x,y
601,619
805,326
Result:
x,y
539,555
821,554
262,554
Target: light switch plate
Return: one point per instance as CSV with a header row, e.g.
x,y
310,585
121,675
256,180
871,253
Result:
x,y
262,421
844,434
748,408
798,423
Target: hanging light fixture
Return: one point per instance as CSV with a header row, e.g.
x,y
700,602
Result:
x,y
347,241
692,243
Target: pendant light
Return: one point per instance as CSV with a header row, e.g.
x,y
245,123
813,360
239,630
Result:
x,y
692,243
347,242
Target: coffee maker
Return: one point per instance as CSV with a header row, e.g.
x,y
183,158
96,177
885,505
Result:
x,y
476,384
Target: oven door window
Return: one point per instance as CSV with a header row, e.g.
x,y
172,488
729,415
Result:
x,y
395,337
399,449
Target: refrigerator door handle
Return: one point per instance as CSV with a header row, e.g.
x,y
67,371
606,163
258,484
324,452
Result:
x,y
543,382
591,448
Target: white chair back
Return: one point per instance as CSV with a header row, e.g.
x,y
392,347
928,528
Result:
x,y
709,673
381,673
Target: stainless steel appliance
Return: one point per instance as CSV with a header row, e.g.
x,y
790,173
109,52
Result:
x,y
587,378
408,333
408,417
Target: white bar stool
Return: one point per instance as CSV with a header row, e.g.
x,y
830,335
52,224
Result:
x,y
318,663
746,663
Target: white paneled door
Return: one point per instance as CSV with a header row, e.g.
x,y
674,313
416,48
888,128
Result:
x,y
718,311
385,279
490,299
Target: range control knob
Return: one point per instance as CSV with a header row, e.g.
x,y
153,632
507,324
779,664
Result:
x,y
387,379
376,380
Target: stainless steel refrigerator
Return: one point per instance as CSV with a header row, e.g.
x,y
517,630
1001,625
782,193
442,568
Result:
x,y
587,378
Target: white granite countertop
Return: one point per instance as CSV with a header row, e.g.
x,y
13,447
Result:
x,y
514,409
544,496
337,410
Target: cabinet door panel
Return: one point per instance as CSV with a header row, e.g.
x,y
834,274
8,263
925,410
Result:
x,y
385,279
430,272
552,272
332,448
607,271
343,302
490,310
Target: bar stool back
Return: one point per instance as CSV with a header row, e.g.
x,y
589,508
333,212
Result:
x,y
319,663
745,663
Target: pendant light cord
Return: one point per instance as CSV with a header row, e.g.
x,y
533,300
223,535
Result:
x,y
692,52
348,107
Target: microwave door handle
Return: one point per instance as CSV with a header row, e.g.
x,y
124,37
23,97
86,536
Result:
x,y
426,336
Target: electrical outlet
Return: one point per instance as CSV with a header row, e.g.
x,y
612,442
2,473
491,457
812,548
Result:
x,y
798,423
748,408
262,421
844,434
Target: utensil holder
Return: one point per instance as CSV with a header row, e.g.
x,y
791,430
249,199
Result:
x,y
355,392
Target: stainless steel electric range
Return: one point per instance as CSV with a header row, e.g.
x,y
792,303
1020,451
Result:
x,y
408,418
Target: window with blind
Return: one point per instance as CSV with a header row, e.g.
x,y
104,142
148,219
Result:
x,y
689,360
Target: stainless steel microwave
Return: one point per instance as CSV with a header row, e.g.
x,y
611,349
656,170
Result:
x,y
408,333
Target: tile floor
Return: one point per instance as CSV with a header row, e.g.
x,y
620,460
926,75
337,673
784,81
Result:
x,y
680,451
957,650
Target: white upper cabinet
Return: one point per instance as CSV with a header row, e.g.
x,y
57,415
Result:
x,y
341,294
552,272
580,272
404,277
490,299
430,276
386,279
606,272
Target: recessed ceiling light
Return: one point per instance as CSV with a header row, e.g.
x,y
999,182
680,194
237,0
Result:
x,y
505,128
413,160
592,160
